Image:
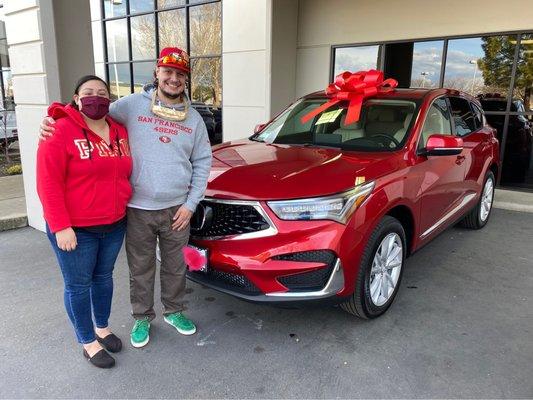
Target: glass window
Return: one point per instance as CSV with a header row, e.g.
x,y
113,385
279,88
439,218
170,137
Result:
x,y
143,37
480,65
169,3
524,73
437,122
138,6
119,80
143,73
376,130
114,8
478,116
355,59
205,30
206,81
427,60
463,117
172,29
117,40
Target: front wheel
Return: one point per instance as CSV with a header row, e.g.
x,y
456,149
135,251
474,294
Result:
x,y
479,216
380,271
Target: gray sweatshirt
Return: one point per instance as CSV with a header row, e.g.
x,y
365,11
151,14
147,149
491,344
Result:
x,y
171,159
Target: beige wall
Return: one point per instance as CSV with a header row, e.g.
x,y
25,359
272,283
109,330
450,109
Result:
x,y
74,43
333,22
246,33
34,66
284,41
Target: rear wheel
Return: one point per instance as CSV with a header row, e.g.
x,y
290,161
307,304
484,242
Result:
x,y
380,271
479,216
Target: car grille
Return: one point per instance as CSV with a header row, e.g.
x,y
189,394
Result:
x,y
226,280
214,219
313,280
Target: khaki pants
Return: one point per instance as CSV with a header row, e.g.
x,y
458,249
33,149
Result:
x,y
143,229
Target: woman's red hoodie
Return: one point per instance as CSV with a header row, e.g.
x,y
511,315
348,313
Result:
x,y
81,180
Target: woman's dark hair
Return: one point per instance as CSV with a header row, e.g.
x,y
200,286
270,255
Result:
x,y
83,80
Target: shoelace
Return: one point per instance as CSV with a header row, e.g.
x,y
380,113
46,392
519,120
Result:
x,y
140,323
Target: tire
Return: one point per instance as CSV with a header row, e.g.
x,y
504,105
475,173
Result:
x,y
478,217
362,304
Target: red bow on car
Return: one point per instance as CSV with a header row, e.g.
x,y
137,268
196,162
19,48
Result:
x,y
354,87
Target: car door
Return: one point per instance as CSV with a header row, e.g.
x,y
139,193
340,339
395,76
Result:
x,y
441,177
476,135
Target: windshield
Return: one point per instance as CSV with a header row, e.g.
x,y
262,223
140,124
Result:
x,y
384,125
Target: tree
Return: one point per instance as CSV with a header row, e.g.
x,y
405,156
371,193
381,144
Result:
x,y
496,66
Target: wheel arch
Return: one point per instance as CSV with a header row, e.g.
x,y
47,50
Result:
x,y
405,215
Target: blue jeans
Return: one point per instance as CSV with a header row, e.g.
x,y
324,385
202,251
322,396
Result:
x,y
88,276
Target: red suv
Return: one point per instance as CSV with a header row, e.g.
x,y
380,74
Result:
x,y
329,211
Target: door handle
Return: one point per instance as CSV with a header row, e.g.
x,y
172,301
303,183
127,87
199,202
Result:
x,y
460,160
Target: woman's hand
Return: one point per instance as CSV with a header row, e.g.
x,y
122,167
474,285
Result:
x,y
182,218
47,128
66,239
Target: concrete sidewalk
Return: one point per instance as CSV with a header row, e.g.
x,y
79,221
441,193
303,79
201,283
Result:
x,y
12,203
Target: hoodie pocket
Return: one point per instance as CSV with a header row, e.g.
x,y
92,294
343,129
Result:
x,y
163,180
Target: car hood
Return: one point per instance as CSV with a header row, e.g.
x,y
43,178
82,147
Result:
x,y
249,170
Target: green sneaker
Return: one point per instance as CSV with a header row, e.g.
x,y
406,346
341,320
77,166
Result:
x,y
140,333
182,324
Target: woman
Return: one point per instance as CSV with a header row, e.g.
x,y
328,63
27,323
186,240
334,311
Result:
x,y
83,182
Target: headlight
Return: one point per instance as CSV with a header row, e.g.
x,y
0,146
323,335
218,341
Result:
x,y
338,207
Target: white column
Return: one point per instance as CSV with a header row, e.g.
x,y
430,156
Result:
x,y
33,56
246,49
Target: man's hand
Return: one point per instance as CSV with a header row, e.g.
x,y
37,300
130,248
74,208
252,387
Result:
x,y
66,239
182,218
47,128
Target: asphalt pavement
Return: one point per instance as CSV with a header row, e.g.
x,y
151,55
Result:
x,y
461,327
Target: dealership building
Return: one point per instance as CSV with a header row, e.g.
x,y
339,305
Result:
x,y
251,58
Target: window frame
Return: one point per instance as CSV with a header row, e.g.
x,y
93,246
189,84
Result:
x,y
420,150
155,11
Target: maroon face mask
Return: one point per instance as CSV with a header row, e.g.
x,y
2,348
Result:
x,y
94,107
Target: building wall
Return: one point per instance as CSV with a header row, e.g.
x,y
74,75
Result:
x,y
73,33
33,57
284,40
246,65
48,42
333,22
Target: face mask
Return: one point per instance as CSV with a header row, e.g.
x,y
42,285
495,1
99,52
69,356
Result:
x,y
94,107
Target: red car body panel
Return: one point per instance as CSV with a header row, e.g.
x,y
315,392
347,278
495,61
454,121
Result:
x,y
424,189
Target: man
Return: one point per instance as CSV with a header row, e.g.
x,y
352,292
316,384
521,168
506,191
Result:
x,y
171,162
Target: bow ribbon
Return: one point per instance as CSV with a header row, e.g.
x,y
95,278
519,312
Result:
x,y
353,87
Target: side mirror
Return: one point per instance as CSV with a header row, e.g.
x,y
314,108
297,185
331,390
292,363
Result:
x,y
443,145
258,128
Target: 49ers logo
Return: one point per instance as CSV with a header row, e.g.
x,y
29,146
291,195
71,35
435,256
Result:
x,y
164,139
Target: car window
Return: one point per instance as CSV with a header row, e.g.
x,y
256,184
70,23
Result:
x,y
383,125
478,116
437,122
463,117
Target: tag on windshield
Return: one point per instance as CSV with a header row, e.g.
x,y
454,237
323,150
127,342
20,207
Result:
x,y
328,117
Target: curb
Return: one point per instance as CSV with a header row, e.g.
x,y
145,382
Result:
x,y
504,205
13,222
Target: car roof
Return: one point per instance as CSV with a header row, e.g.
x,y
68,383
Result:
x,y
403,94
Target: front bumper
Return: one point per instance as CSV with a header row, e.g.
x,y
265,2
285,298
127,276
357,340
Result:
x,y
282,264
333,286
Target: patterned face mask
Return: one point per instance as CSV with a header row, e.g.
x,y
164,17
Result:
x,y
168,112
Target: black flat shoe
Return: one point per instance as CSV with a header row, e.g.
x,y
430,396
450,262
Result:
x,y
100,359
111,343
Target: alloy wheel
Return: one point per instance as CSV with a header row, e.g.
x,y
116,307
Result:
x,y
386,268
486,200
